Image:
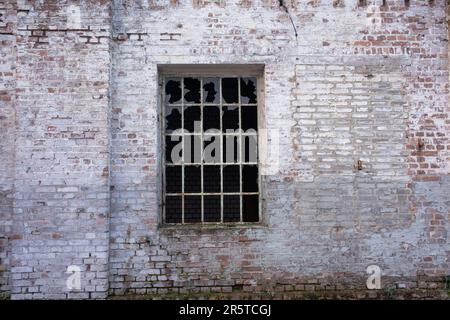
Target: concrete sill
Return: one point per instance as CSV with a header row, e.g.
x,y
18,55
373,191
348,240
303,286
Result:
x,y
213,226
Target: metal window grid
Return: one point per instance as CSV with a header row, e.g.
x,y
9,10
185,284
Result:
x,y
181,105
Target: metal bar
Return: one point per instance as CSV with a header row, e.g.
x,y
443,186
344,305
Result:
x,y
201,150
240,149
212,193
223,163
183,151
163,145
221,146
241,153
259,82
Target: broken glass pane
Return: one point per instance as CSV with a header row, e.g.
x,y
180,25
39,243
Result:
x,y
211,149
192,149
230,148
211,118
192,179
211,208
191,90
231,178
192,119
249,148
173,179
250,178
211,90
173,119
230,90
173,209
174,150
231,208
249,118
250,208
192,209
203,112
248,90
230,118
173,90
211,178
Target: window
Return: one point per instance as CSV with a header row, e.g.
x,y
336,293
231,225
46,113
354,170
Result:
x,y
210,139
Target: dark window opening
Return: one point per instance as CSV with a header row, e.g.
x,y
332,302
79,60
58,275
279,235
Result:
x,y
250,209
211,118
173,209
211,150
211,179
230,119
192,119
230,93
192,179
231,178
249,118
192,90
231,208
211,90
173,179
173,91
192,209
248,90
231,149
250,178
173,119
211,208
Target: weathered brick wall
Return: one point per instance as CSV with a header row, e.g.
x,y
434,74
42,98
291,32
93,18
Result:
x,y
358,82
7,87
352,82
61,203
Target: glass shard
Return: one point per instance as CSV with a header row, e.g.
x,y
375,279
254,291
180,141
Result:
x,y
211,149
250,148
211,90
230,119
173,119
192,149
173,90
192,121
230,148
230,90
248,90
191,90
174,149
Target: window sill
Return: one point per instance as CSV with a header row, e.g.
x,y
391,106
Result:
x,y
213,226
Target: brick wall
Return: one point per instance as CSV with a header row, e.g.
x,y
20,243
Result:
x,y
359,96
61,205
7,87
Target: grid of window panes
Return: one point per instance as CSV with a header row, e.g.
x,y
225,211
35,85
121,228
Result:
x,y
211,164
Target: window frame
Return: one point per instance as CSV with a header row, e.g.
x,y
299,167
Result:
x,y
202,71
